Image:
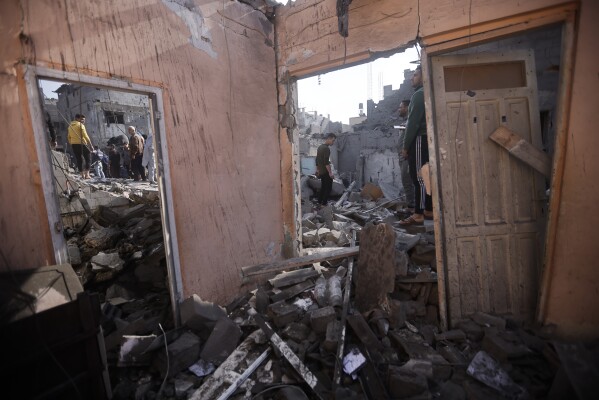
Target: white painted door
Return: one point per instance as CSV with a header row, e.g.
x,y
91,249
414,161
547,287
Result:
x,y
491,203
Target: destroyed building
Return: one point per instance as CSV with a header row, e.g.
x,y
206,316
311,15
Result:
x,y
108,112
511,241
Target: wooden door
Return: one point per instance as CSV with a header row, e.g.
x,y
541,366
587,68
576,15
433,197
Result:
x,y
490,202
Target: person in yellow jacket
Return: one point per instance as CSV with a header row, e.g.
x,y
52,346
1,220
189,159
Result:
x,y
81,144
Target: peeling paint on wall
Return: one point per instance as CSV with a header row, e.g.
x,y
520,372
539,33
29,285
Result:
x,y
191,15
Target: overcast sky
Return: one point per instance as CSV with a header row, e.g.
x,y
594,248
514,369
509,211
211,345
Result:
x,y
340,92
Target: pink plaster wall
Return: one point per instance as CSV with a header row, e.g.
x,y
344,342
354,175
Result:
x,y
216,65
573,295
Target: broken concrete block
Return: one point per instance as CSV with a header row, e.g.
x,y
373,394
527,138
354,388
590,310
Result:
x,y
102,239
363,332
202,368
332,336
74,254
182,386
452,354
222,341
484,319
118,291
371,192
404,384
182,353
319,319
503,345
104,261
454,334
200,315
262,301
375,277
472,330
419,367
405,241
296,331
283,313
402,261
488,371
354,197
335,295
320,291
132,351
311,238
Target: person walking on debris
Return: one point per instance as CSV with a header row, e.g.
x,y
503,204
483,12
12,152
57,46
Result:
x,y
136,148
148,160
81,144
323,168
97,156
404,167
114,162
415,148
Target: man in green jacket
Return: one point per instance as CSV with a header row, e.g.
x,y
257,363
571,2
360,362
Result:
x,y
415,148
323,168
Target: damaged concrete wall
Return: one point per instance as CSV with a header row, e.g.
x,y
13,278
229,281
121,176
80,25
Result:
x,y
309,43
213,60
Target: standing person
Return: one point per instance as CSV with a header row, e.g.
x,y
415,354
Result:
x,y
114,162
125,161
97,156
81,144
136,148
148,158
415,148
323,168
404,166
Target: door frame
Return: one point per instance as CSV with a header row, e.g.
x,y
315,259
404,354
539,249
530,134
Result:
x,y
31,75
442,43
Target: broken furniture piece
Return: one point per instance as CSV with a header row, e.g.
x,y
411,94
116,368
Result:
x,y
522,150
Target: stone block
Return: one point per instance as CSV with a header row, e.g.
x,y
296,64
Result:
x,y
319,319
454,335
484,319
74,254
283,313
107,261
182,353
102,239
296,331
503,345
222,341
472,330
403,384
200,315
332,336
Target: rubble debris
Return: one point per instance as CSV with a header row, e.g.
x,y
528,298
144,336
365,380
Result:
x,y
485,369
222,341
182,353
353,361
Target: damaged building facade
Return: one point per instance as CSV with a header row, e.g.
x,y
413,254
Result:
x,y
231,164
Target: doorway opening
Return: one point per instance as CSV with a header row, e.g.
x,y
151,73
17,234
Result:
x,y
494,206
361,106
109,201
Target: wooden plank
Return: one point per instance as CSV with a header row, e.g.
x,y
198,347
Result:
x,y
290,356
297,262
292,291
346,298
293,277
522,150
345,194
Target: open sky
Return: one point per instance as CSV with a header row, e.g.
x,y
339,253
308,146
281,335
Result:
x,y
340,92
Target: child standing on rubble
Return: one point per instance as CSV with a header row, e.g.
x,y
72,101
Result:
x,y
97,156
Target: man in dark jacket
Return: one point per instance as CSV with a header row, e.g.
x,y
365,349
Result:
x,y
136,150
415,148
323,168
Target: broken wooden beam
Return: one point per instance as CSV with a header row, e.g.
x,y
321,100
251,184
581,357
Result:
x,y
293,277
307,375
522,150
346,297
345,194
293,263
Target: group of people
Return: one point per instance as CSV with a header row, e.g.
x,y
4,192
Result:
x,y
413,155
134,158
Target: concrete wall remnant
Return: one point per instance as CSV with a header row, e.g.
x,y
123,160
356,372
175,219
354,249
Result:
x,y
212,60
